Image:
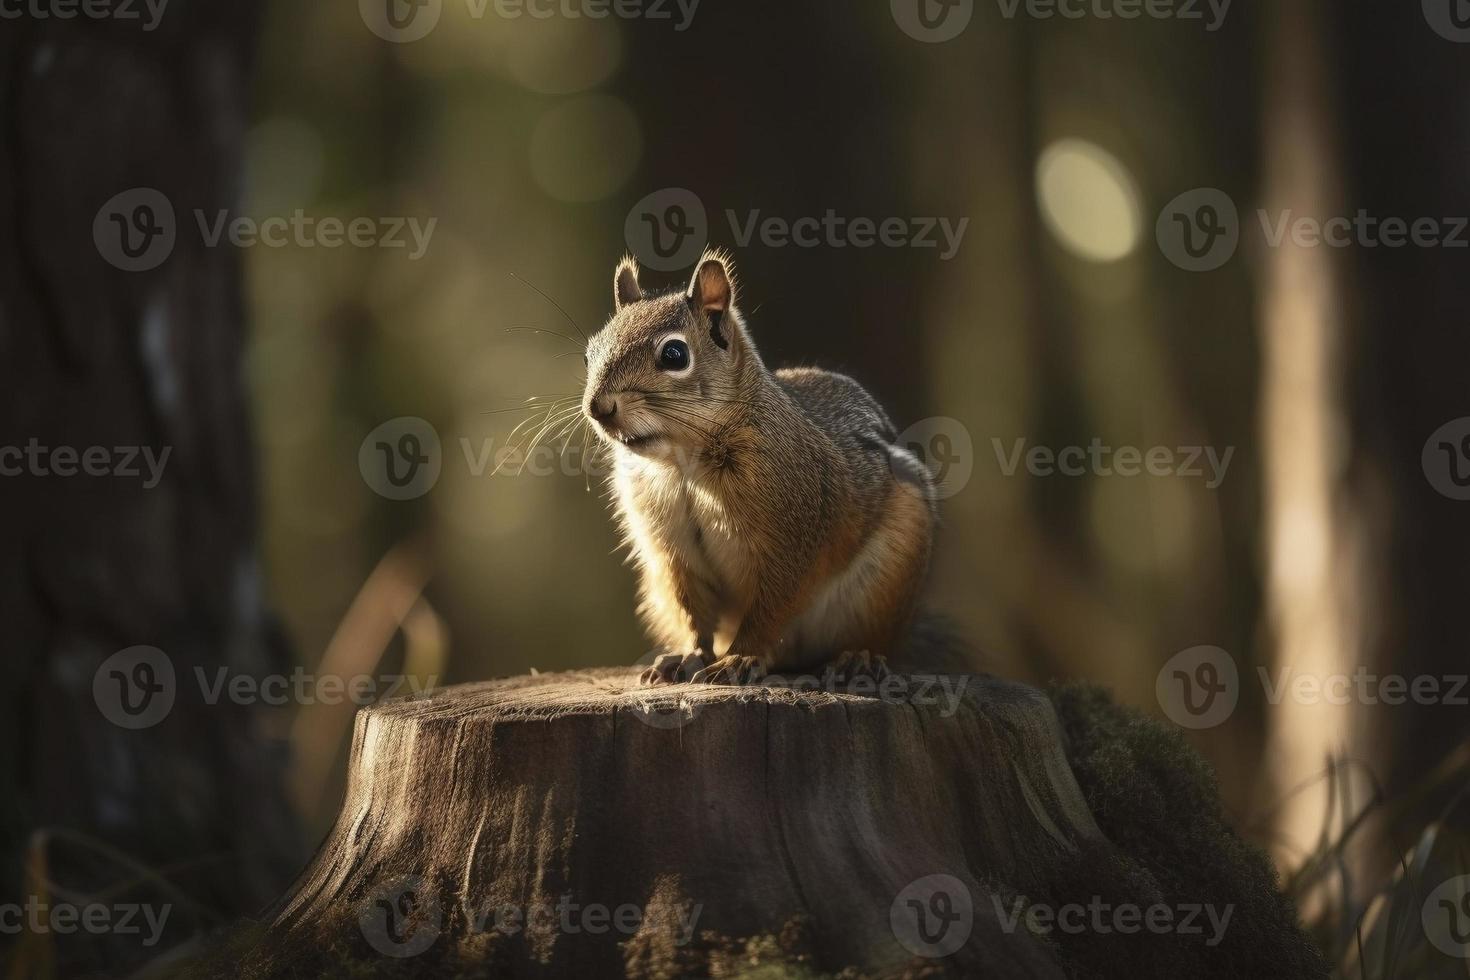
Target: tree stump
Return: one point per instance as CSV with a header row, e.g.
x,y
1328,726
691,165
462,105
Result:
x,y
576,824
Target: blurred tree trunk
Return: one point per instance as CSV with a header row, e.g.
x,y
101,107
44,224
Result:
x,y
1407,137
1313,537
187,812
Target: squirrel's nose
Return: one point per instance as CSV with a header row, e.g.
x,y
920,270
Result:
x,y
603,408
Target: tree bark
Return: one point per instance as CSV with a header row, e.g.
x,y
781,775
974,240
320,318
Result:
x,y
495,825
187,813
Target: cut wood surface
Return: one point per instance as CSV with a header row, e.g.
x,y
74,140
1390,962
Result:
x,y
576,824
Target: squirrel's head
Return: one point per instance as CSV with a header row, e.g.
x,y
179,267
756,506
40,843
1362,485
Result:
x,y
665,370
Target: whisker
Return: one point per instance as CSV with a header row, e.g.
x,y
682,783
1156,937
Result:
x,y
554,415
523,408
534,402
554,303
542,420
693,408
553,333
552,408
586,460
536,439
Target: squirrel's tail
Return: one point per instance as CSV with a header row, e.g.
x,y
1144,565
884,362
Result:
x,y
934,644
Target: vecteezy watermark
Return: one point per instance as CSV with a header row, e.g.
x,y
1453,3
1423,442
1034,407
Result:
x,y
1446,917
402,917
1200,687
39,916
137,230
933,916
833,230
404,21
1363,686
1098,459
304,231
117,462
405,916
1200,230
401,459
136,688
569,917
1446,459
1211,13
676,706
932,21
149,12
1450,19
942,446
1103,918
937,21
668,230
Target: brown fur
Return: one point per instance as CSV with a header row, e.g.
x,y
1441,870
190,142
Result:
x,y
775,524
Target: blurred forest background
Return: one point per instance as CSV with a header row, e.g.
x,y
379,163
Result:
x,y
1059,321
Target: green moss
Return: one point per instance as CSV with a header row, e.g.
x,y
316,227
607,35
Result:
x,y
1156,799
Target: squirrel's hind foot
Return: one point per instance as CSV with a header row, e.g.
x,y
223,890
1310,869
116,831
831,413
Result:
x,y
861,663
675,668
732,670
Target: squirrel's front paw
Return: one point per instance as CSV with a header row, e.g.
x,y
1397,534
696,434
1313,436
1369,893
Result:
x,y
732,670
674,668
849,664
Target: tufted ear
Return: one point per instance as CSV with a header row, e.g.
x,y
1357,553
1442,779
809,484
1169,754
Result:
x,y
625,283
713,287
712,292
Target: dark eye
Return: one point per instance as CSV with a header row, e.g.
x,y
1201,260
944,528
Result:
x,y
674,356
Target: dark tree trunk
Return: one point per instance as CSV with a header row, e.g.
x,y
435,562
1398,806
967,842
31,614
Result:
x,y
187,812
1403,88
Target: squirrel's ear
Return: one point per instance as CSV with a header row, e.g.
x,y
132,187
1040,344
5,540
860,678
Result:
x,y
712,290
625,283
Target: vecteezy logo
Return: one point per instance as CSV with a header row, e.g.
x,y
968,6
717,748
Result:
x,y
1199,687
1199,230
1449,18
933,916
1446,459
135,230
401,21
402,918
134,688
932,21
943,446
401,458
1446,917
668,229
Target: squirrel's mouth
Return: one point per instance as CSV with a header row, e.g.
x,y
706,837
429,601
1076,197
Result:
x,y
634,440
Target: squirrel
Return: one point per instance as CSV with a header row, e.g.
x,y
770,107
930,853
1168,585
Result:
x,y
775,523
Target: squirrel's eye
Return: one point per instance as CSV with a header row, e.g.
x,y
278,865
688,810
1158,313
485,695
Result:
x,y
674,356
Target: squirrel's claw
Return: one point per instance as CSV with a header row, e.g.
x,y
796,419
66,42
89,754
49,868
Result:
x,y
674,668
849,664
732,670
